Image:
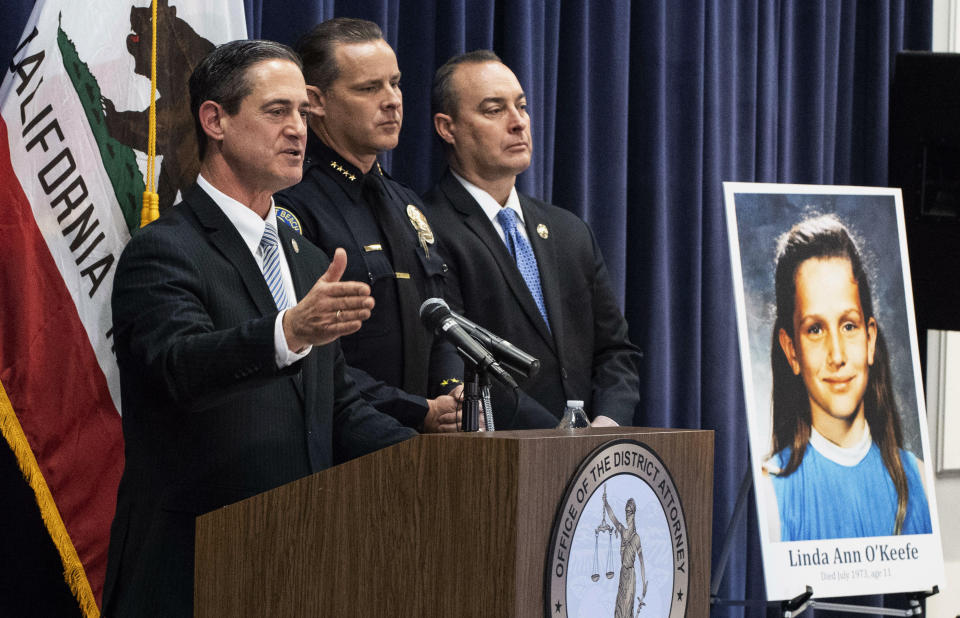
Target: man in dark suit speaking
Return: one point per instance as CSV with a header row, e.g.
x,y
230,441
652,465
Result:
x,y
528,271
225,327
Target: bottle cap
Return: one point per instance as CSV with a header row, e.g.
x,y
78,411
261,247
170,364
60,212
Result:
x,y
574,403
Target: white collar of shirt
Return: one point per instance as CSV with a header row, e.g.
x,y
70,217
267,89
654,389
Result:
x,y
250,227
845,456
491,207
248,223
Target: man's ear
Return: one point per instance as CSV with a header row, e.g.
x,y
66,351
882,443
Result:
x,y
211,118
317,101
445,128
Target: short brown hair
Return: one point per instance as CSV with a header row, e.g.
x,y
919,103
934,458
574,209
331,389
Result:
x,y
443,96
318,47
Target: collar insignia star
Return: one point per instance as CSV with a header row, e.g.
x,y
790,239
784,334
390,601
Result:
x,y
346,173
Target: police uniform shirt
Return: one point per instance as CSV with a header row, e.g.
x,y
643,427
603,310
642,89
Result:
x,y
330,208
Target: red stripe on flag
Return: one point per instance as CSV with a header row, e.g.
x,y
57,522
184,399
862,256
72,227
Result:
x,y
54,383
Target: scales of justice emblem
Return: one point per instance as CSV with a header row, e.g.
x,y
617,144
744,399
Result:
x,y
631,550
619,546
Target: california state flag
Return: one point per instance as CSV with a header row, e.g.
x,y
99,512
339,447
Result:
x,y
73,135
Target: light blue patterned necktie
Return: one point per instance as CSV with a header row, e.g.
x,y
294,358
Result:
x,y
519,247
270,248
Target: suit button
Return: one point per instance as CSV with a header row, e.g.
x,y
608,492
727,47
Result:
x,y
444,267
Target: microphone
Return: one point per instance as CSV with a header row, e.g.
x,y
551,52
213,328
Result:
x,y
504,351
437,317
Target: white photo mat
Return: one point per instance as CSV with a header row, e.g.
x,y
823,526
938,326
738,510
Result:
x,y
757,215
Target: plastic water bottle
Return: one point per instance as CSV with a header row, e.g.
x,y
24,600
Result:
x,y
573,416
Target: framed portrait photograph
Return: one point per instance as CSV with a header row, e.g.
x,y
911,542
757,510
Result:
x,y
841,464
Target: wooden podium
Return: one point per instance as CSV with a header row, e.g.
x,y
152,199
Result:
x,y
440,525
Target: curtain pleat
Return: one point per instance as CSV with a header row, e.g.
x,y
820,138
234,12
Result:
x,y
639,112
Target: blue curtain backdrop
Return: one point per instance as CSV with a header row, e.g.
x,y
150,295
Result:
x,y
640,110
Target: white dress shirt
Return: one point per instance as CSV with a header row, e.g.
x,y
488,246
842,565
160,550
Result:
x,y
491,207
251,226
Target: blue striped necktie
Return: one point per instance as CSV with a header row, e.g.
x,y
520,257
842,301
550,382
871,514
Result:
x,y
519,247
270,248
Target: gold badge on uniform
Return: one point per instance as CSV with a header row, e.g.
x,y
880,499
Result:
x,y
296,247
542,231
419,223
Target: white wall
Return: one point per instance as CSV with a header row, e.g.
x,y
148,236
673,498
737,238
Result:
x,y
946,25
943,415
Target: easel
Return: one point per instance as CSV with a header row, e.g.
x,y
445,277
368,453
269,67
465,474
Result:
x,y
799,604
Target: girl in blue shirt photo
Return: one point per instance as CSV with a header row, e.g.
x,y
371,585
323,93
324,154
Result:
x,y
838,467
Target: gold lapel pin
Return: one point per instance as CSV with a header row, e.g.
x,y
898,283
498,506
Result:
x,y
542,231
296,247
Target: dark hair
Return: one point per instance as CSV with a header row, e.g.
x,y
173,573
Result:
x,y
443,96
222,77
824,236
318,47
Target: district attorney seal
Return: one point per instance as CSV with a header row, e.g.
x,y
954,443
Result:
x,y
619,542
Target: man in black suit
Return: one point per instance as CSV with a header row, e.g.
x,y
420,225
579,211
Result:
x,y
225,326
528,271
347,200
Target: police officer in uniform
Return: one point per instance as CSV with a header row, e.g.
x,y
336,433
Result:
x,y
346,200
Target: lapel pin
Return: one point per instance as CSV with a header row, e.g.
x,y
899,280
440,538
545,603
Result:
x,y
542,231
296,247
